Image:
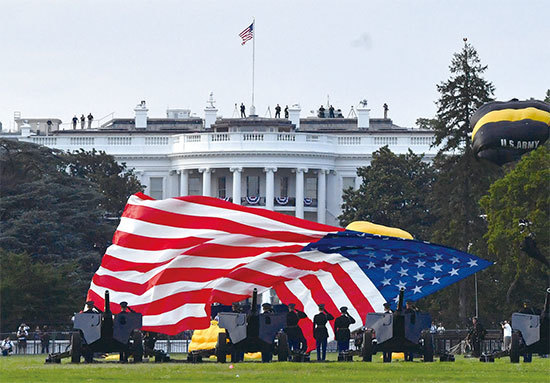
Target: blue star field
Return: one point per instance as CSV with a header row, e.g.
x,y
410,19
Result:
x,y
422,268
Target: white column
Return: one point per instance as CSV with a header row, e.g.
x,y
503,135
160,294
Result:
x,y
269,187
236,184
206,181
300,192
184,182
357,182
322,195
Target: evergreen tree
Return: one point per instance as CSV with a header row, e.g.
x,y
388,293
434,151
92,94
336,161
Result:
x,y
393,192
461,179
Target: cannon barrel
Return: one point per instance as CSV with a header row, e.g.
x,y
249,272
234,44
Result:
x,y
401,296
107,302
254,308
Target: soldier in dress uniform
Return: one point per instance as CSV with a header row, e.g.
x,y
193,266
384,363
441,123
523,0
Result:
x,y
296,340
476,336
320,332
387,355
341,329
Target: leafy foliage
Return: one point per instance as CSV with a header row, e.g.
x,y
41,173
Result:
x,y
114,180
36,292
520,195
393,192
53,211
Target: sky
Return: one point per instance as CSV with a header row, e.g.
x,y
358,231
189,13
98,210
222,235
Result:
x,y
64,57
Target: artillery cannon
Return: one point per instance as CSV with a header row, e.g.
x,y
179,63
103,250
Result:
x,y
531,333
254,332
399,331
102,332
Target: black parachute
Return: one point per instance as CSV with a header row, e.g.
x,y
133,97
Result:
x,y
504,131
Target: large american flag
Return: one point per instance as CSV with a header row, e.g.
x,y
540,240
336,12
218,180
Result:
x,y
171,259
247,34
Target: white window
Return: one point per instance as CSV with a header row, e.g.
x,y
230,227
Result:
x,y
221,187
311,188
348,182
155,190
252,186
284,187
194,186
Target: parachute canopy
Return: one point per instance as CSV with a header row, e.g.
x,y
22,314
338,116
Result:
x,y
373,228
504,131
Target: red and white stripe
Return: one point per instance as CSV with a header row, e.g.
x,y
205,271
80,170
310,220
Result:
x,y
171,259
247,34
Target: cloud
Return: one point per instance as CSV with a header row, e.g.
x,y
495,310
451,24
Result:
x,y
364,41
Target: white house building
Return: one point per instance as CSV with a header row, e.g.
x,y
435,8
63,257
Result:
x,y
297,166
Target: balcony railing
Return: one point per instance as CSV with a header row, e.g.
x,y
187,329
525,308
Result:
x,y
356,144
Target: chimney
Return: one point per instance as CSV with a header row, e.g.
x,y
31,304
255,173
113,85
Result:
x,y
294,115
363,115
210,112
141,115
25,129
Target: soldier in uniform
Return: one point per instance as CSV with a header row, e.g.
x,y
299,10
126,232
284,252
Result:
x,y
91,308
296,340
387,355
528,309
278,111
341,329
320,332
476,336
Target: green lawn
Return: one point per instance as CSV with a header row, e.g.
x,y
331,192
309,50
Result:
x,y
33,369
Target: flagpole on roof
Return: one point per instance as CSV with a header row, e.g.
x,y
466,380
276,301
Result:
x,y
252,107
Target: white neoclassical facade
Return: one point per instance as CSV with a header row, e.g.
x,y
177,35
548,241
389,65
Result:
x,y
297,166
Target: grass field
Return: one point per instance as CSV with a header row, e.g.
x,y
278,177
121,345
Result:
x,y
33,369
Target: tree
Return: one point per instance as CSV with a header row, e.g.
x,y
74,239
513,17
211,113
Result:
x,y
54,212
393,192
547,98
461,180
114,180
522,194
36,292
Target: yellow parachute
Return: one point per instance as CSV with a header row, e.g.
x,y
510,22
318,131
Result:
x,y
372,228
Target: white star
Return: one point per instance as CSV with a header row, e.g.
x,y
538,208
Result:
x,y
419,277
370,255
387,257
421,254
453,272
396,299
472,262
404,260
436,267
386,281
401,285
435,280
403,272
420,264
438,257
417,290
454,260
386,267
371,265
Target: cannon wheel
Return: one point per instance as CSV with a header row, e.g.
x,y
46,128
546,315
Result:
x,y
282,344
221,352
76,347
428,347
514,348
138,347
367,349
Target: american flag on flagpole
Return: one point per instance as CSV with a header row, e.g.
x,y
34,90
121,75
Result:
x,y
247,34
171,259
